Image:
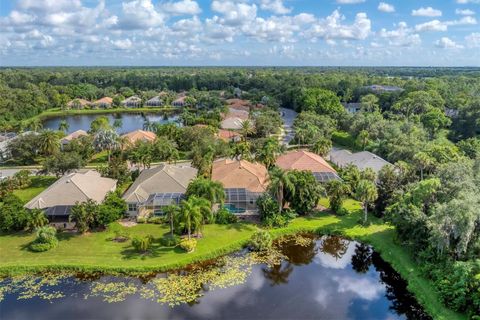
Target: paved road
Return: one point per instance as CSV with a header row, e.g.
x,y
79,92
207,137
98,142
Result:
x,y
288,116
11,172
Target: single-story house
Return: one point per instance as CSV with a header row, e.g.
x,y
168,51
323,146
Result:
x,y
132,102
154,102
158,187
78,104
229,136
244,182
352,107
105,102
362,160
305,160
239,104
72,136
231,123
139,135
179,102
58,199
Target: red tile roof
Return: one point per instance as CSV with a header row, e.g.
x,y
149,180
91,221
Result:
x,y
303,160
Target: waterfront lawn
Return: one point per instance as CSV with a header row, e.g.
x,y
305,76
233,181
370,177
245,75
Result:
x,y
39,183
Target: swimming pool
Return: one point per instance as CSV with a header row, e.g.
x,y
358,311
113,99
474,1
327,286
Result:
x,y
233,209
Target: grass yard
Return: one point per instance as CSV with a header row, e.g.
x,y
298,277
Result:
x,y
97,252
39,183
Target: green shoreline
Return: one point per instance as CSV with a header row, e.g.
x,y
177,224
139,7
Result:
x,y
378,234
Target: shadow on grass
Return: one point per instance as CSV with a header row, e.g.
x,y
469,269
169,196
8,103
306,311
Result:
x,y
129,253
241,226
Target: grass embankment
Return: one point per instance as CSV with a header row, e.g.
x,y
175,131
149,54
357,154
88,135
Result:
x,y
97,252
39,183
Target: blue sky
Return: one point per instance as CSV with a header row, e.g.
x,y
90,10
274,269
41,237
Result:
x,y
240,32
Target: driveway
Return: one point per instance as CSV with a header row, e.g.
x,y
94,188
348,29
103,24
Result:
x,y
288,116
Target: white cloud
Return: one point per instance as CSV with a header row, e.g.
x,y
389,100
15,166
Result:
x,y
468,20
138,14
50,5
465,12
183,7
467,1
349,1
403,36
363,288
122,44
385,7
473,40
332,28
235,14
276,6
434,25
426,12
447,43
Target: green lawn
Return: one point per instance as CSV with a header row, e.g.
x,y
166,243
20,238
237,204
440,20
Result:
x,y
97,252
39,183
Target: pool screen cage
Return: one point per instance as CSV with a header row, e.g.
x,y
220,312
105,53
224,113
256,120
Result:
x,y
242,198
157,201
323,177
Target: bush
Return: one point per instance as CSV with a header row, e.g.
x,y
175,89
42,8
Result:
x,y
343,211
121,236
261,240
46,239
169,241
142,244
275,221
156,220
224,216
188,245
141,220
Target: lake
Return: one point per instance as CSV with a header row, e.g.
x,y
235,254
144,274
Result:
x,y
130,121
306,277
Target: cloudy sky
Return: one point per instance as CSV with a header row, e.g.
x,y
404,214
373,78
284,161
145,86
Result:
x,y
240,32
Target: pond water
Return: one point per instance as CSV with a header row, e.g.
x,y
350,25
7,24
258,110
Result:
x,y
130,121
305,278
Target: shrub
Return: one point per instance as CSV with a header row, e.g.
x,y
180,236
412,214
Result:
x,y
188,245
121,236
46,239
224,216
261,240
142,244
342,211
169,241
275,221
141,220
156,220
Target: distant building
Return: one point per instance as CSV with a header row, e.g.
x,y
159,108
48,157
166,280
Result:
x,y
72,136
105,102
132,102
231,123
154,102
158,187
179,102
58,199
352,107
78,104
362,160
229,136
382,88
139,135
305,160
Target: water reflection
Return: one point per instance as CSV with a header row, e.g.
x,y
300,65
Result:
x,y
325,278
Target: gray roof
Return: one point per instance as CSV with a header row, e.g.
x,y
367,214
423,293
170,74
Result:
x,y
162,179
232,123
155,99
72,188
362,160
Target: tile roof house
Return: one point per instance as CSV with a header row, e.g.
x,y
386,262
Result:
x,y
362,160
179,102
58,199
352,107
229,136
139,135
132,102
157,187
72,136
154,102
239,104
78,104
231,123
244,182
305,160
105,102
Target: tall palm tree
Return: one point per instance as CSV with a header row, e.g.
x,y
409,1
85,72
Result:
x,y
63,126
36,125
269,152
279,183
423,162
171,212
322,146
106,140
213,191
247,129
48,142
366,192
191,214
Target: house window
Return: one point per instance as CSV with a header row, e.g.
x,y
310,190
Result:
x,y
132,207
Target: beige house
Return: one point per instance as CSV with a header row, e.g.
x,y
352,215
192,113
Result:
x,y
154,102
78,104
158,187
58,199
362,160
309,161
179,102
132,102
244,182
72,136
139,135
105,102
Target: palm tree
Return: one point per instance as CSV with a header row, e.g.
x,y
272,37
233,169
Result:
x,y
269,153
191,214
117,123
48,142
213,191
423,161
279,183
63,126
36,125
247,129
37,219
322,146
362,138
366,193
337,191
171,212
106,140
